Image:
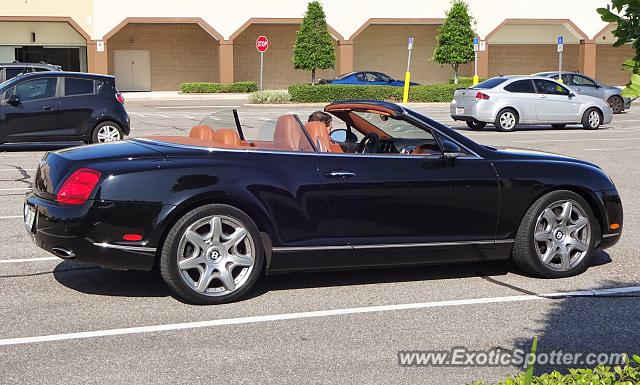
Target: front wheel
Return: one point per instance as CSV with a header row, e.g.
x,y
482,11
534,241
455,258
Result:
x,y
212,255
507,120
616,103
107,132
557,236
592,119
476,125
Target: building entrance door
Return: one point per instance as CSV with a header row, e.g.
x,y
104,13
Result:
x,y
132,69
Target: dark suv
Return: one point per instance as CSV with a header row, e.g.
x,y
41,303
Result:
x,y
62,106
9,71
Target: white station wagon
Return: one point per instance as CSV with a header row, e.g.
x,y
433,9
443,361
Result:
x,y
507,101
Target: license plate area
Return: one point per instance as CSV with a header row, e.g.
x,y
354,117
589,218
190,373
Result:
x,y
29,218
459,110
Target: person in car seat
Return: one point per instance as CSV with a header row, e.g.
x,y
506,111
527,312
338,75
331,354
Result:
x,y
320,116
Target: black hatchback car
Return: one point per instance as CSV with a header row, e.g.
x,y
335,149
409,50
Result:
x,y
62,106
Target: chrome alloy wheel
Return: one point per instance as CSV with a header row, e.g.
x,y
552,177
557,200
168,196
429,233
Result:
x,y
507,120
562,235
108,133
216,255
594,119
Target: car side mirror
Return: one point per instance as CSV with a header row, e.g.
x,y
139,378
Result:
x,y
14,100
598,85
450,150
572,95
339,135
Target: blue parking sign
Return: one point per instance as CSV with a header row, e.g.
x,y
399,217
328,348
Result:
x,y
475,40
560,40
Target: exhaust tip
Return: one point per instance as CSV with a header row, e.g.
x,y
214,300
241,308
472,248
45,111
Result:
x,y
63,253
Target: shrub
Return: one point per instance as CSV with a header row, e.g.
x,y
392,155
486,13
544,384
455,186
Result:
x,y
322,93
213,88
270,97
465,81
600,375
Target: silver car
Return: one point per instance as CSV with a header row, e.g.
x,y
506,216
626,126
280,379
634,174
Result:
x,y
507,101
585,85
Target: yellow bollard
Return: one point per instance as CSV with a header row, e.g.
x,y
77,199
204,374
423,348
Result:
x,y
476,80
407,80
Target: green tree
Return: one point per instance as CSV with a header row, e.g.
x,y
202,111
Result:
x,y
314,47
627,17
455,38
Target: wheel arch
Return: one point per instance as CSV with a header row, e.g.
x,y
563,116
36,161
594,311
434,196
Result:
x,y
258,216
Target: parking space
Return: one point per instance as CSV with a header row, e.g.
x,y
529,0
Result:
x,y
344,327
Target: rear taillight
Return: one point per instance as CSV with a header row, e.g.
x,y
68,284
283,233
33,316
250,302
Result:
x,y
77,188
482,96
120,97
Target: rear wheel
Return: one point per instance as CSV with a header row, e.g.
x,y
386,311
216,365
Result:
x,y
107,132
476,125
558,125
592,119
616,103
212,255
507,120
557,236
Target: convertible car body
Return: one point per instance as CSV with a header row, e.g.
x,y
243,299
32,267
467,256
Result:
x,y
218,208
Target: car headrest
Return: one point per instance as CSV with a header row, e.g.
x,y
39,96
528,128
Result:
x,y
202,132
287,133
319,134
227,137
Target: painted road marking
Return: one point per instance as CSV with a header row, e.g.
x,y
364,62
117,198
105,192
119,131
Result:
x,y
313,314
11,216
571,140
16,189
187,107
22,260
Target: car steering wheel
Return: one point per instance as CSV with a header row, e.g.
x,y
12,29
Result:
x,y
369,144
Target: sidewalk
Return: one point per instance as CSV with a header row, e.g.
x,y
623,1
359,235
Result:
x,y
176,95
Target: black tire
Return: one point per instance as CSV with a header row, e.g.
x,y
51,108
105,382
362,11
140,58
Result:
x,y
169,255
616,103
507,120
525,254
559,125
101,126
589,121
476,125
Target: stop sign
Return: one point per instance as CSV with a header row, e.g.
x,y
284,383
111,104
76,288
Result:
x,y
262,43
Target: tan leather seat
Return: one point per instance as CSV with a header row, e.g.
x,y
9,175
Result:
x,y
288,135
202,133
227,137
319,134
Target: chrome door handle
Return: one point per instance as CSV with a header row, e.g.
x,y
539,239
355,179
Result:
x,y
340,174
47,108
543,96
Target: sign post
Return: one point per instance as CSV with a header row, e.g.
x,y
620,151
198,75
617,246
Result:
x,y
407,75
475,61
560,49
262,44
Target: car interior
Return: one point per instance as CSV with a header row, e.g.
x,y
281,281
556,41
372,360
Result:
x,y
368,129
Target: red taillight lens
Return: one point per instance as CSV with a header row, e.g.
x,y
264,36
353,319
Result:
x,y
132,237
77,188
120,97
481,95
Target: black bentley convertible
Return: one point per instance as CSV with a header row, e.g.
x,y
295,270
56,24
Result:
x,y
233,200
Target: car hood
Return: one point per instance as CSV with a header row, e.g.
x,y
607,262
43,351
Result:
x,y
524,153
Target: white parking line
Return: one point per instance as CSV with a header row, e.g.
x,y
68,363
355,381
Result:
x,y
187,107
16,169
312,314
11,217
611,149
15,189
22,260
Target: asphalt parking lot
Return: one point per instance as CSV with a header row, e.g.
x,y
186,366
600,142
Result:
x,y
101,326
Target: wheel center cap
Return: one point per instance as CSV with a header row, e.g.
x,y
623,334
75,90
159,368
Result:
x,y
214,254
559,234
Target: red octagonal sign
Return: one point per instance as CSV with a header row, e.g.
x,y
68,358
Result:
x,y
262,43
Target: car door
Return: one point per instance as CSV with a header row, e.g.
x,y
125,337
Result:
x,y
77,104
586,86
554,103
34,116
403,208
522,94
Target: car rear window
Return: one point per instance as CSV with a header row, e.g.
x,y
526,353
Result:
x,y
76,86
489,83
521,86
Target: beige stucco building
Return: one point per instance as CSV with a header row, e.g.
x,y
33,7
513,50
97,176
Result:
x,y
156,45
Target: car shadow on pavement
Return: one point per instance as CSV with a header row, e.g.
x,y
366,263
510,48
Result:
x,y
602,324
92,279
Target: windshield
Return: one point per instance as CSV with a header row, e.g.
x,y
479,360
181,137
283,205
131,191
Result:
x,y
489,83
394,127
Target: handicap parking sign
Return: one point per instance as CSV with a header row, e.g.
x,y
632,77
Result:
x,y
560,40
